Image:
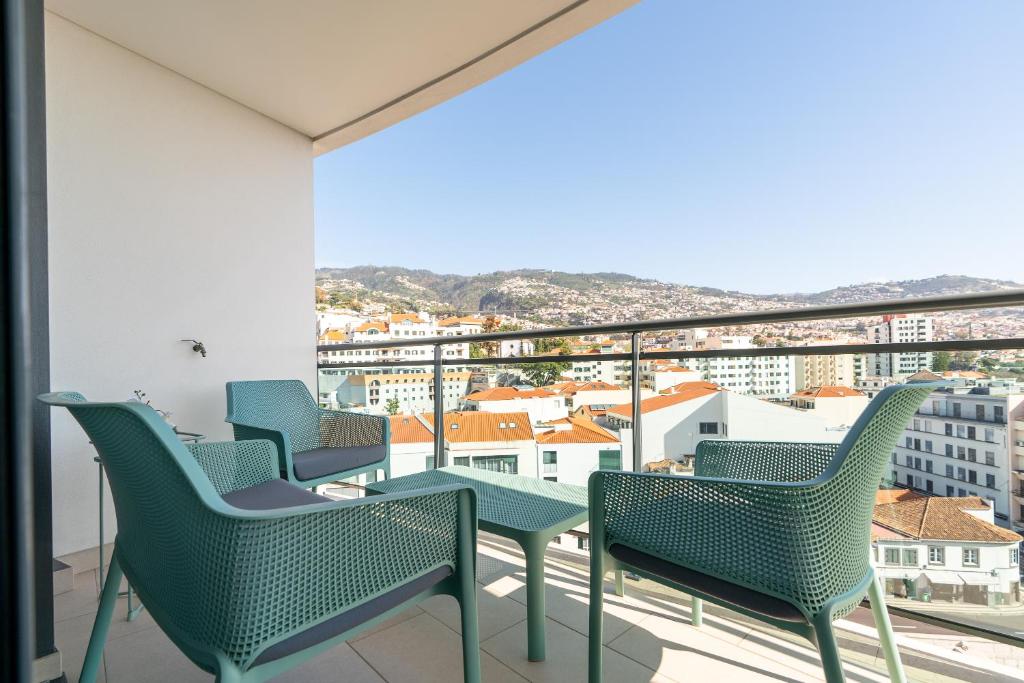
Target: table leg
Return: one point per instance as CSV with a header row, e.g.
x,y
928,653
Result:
x,y
534,551
101,524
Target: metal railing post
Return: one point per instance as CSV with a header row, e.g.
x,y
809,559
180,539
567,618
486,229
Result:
x,y
634,372
438,407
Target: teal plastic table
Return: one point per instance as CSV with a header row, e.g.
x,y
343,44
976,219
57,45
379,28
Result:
x,y
526,510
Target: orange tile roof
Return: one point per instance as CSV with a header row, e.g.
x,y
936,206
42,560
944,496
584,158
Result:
x,y
589,411
333,335
373,325
476,426
828,391
409,429
405,317
572,388
965,374
683,394
507,394
463,320
583,431
883,496
939,518
689,386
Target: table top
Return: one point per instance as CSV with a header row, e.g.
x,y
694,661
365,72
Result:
x,y
506,501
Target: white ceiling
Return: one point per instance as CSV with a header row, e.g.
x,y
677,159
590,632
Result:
x,y
337,70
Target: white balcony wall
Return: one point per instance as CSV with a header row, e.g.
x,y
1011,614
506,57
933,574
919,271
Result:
x,y
174,212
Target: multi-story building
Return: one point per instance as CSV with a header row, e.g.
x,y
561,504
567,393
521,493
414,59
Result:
x,y
573,447
944,550
397,326
597,370
761,376
824,371
598,394
899,329
967,441
660,374
372,391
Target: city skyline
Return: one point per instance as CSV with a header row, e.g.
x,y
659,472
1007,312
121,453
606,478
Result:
x,y
751,149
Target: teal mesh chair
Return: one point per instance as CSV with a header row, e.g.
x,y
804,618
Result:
x,y
780,532
250,575
315,446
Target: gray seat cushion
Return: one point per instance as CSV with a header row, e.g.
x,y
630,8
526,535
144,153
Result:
x,y
728,593
322,462
353,617
276,493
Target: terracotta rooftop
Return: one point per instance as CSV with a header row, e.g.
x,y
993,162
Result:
x,y
571,388
409,429
463,320
473,426
333,335
941,519
828,391
507,394
583,431
406,317
689,386
686,391
378,325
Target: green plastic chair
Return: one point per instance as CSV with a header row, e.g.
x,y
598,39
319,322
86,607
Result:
x,y
780,532
316,446
250,575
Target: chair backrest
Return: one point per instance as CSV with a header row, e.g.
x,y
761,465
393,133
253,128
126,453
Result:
x,y
849,484
162,500
281,404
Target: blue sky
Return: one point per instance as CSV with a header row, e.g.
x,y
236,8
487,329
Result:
x,y
764,147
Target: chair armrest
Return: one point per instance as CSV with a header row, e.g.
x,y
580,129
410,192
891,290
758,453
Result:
x,y
246,432
777,461
234,465
338,429
778,538
281,571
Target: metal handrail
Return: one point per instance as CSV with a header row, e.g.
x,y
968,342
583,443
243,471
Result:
x,y
1006,298
954,302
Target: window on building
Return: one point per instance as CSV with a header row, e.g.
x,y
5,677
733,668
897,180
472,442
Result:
x,y
928,466
929,486
462,460
998,414
928,446
957,410
949,429
949,450
892,556
609,460
429,464
582,543
1014,556
972,433
910,557
961,452
972,477
972,454
708,427
990,457
970,557
506,464
990,481
910,442
550,478
550,461
979,412
949,491
936,555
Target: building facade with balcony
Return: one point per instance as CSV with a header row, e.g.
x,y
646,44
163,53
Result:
x,y
967,441
899,329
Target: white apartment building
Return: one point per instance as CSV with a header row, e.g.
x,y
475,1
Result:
x,y
599,395
899,329
397,326
660,375
572,448
763,376
673,424
944,550
412,445
967,441
597,370
540,404
414,391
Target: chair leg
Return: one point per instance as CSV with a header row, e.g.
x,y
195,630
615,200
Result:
x,y
828,648
594,662
470,635
227,672
620,584
696,612
885,634
100,627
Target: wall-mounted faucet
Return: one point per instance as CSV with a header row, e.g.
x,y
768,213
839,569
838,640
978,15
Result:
x,y
197,346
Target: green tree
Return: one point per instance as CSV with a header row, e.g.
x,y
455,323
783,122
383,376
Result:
x,y
392,406
540,374
477,350
940,361
963,360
